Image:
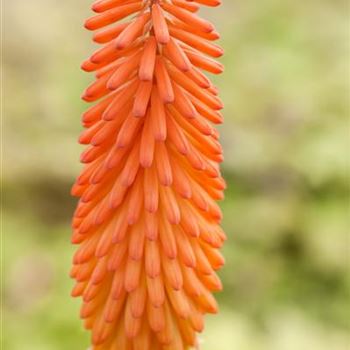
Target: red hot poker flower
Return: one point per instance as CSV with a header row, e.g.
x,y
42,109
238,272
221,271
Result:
x,y
147,222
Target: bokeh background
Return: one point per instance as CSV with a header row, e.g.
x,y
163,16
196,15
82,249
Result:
x,y
286,140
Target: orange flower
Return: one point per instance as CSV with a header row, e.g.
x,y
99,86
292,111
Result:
x,y
147,222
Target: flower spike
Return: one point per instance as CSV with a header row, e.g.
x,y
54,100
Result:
x,y
147,222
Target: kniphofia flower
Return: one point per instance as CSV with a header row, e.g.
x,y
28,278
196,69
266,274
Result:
x,y
147,222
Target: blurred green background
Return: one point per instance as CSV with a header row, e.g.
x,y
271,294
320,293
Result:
x,y
286,140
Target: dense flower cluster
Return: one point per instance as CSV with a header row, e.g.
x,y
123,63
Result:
x,y
147,222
